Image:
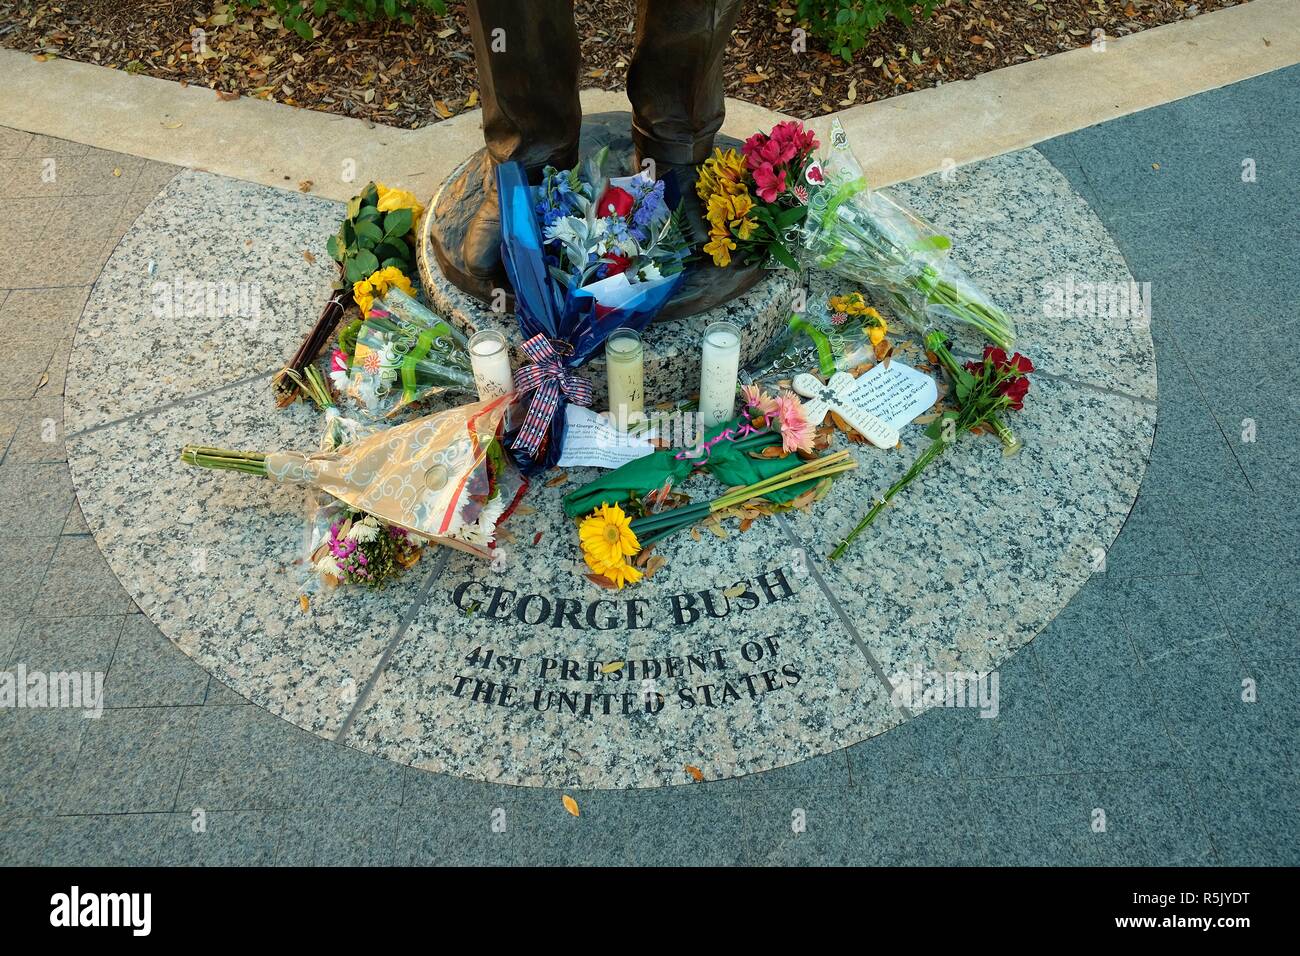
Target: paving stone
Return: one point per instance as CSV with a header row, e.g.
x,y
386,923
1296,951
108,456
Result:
x,y
13,142
338,836
22,567
1020,735
1151,819
1091,629
131,761
1211,724
79,582
76,523
1152,541
41,145
85,220
1252,815
1031,821
124,839
804,827
826,772
921,749
1107,717
12,412
22,839
149,671
1175,615
34,499
231,838
38,436
38,750
219,695
83,644
902,824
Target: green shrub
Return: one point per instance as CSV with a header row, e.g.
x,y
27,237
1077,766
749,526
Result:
x,y
294,13
845,25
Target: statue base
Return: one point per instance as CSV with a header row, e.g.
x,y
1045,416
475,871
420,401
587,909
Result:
x,y
756,299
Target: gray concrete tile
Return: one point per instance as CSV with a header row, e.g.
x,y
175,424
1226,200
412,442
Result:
x,y
233,838
67,644
1150,820
1090,628
79,582
38,436
22,568
921,749
337,836
804,827
124,839
85,220
1252,816
35,499
1175,615
41,145
22,840
76,523
38,751
131,761
902,824
219,695
1107,717
13,142
1032,821
150,671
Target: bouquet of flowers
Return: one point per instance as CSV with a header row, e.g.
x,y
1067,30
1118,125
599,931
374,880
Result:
x,y
983,391
871,238
351,547
854,334
612,541
443,478
374,247
403,353
585,255
754,200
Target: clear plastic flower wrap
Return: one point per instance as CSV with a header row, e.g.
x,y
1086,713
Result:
x,y
444,478
872,239
405,353
810,345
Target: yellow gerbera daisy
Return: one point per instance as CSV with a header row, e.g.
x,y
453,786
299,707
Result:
x,y
607,538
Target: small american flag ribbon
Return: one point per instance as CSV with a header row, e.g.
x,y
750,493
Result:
x,y
548,376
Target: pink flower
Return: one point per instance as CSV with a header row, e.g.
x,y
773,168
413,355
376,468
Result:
x,y
753,144
770,184
801,193
814,173
839,318
757,403
797,432
338,361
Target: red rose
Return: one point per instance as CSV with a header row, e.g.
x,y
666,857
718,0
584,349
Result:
x,y
1015,389
615,202
616,262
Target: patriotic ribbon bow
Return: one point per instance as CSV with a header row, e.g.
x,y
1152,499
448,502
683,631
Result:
x,y
550,378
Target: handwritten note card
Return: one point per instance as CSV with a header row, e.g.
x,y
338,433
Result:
x,y
593,440
896,394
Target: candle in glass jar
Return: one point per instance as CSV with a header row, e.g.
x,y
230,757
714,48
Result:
x,y
624,367
489,357
719,368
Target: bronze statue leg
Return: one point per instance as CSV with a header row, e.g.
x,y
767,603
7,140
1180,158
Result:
x,y
675,81
528,58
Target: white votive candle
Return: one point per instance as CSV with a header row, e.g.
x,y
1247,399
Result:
x,y
625,369
719,368
490,359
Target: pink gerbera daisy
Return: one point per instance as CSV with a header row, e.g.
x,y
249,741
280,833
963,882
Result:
x,y
797,432
757,403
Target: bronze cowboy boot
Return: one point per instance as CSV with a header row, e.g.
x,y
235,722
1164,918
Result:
x,y
675,85
528,58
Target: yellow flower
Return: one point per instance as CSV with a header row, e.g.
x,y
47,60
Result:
x,y
367,290
607,543
390,199
720,247
745,228
852,304
875,324
722,173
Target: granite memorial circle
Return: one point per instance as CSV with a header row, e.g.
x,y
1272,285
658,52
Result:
x,y
742,654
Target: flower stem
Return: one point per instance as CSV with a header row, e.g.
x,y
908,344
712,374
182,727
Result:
x,y
930,454
225,459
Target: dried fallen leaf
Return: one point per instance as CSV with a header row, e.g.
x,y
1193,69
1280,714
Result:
x,y
601,581
537,537
309,255
735,591
304,186
571,805
654,564
559,479
304,602
43,380
696,773
611,667
223,95
176,125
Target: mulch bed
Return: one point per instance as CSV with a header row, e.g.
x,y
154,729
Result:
x,y
414,75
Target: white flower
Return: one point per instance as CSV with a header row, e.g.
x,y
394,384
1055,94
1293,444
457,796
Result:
x,y
367,529
483,531
327,565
